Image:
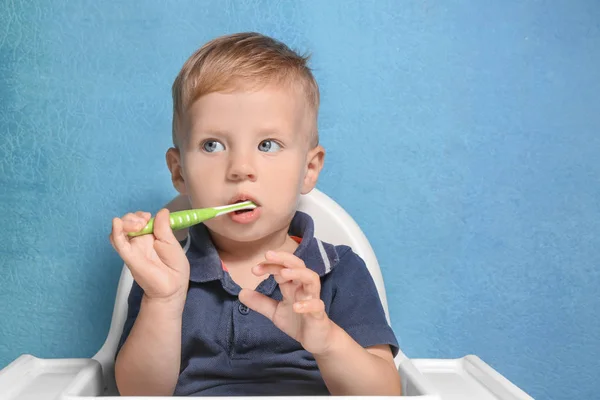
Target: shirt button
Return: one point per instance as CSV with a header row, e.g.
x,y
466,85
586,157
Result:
x,y
243,309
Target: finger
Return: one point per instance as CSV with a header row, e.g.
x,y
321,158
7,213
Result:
x,y
275,270
316,307
118,239
283,258
133,226
290,280
132,217
112,242
310,281
132,223
281,280
144,215
289,290
258,302
267,268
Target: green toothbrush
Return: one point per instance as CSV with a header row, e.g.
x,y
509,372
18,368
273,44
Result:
x,y
186,218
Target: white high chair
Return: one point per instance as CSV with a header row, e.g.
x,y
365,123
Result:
x,y
32,378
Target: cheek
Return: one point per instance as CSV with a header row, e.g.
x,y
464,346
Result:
x,y
199,175
287,175
198,165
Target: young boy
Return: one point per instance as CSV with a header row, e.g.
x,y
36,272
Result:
x,y
253,304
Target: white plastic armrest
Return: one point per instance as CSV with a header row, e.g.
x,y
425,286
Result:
x,y
414,383
468,378
32,378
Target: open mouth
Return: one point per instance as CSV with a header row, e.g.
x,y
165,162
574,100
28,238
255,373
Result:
x,y
247,216
244,211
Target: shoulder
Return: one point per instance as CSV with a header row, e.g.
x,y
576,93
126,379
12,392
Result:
x,y
346,265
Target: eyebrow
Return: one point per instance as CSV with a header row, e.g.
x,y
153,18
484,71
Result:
x,y
271,132
211,132
225,133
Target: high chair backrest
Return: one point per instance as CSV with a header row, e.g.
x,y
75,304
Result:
x,y
332,225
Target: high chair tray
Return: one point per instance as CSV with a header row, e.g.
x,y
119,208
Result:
x,y
32,378
467,378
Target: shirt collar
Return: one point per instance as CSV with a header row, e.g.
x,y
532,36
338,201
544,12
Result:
x,y
205,263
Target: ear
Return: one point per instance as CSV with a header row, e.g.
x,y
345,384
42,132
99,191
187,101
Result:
x,y
314,164
175,165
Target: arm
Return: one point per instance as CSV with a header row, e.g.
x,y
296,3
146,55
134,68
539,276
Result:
x,y
348,369
150,359
362,340
353,344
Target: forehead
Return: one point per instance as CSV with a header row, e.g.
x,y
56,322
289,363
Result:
x,y
270,107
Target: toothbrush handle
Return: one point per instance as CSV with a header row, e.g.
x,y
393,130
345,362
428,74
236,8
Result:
x,y
180,220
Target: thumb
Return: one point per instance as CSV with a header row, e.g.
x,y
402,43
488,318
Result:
x,y
166,245
162,227
258,302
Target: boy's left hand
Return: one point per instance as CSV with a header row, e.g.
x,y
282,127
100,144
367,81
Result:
x,y
301,313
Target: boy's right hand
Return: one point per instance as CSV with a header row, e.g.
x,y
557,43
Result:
x,y
156,261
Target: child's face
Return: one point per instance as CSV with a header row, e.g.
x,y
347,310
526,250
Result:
x,y
250,145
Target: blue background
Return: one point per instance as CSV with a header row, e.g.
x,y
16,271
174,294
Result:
x,y
463,136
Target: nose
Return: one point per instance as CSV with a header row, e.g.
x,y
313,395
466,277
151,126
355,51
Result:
x,y
241,168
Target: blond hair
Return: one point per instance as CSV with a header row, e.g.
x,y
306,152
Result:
x,y
241,61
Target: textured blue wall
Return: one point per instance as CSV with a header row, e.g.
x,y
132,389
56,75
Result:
x,y
462,136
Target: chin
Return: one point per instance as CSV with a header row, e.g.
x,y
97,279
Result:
x,y
245,235
249,232
237,233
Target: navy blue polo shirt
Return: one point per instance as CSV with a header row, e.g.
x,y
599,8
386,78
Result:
x,y
228,349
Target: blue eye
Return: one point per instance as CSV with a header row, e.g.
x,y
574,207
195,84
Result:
x,y
269,146
212,146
